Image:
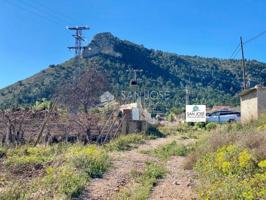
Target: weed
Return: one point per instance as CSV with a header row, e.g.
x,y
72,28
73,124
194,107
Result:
x,y
92,159
63,181
165,151
65,171
125,142
143,183
29,157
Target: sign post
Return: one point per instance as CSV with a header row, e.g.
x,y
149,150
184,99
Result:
x,y
195,113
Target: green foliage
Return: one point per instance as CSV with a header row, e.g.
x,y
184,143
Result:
x,y
92,159
165,151
154,132
65,170
200,125
161,72
27,156
170,117
63,181
211,126
143,182
177,110
41,105
125,142
3,152
231,173
13,193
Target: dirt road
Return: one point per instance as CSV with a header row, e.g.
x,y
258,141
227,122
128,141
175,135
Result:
x,y
176,185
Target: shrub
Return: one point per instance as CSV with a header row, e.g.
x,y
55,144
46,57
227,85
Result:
x,y
90,159
200,125
154,132
211,126
231,173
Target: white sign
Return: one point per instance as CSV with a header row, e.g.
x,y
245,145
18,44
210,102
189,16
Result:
x,y
195,113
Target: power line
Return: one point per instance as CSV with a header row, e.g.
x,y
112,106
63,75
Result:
x,y
235,52
243,64
41,11
238,47
255,37
25,8
49,11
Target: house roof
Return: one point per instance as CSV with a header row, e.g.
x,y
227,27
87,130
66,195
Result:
x,y
248,91
128,106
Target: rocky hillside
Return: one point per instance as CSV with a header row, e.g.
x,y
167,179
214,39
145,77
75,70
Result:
x,y
162,82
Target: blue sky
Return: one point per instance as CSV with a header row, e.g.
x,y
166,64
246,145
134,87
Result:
x,y
33,33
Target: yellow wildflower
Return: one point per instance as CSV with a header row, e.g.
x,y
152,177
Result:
x,y
262,164
226,167
244,158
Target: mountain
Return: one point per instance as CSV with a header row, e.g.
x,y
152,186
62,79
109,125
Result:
x,y
162,81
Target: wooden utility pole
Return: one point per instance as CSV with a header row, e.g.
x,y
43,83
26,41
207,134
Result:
x,y
243,65
187,95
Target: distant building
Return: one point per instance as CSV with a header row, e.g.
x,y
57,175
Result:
x,y
252,103
136,118
106,97
217,108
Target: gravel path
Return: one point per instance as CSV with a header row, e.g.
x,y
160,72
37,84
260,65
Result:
x,y
177,184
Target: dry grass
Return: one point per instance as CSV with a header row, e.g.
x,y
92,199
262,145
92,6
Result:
x,y
246,136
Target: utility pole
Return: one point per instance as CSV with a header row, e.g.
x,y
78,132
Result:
x,y
188,86
78,38
243,65
187,95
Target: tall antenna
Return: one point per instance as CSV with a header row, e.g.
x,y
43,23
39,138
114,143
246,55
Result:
x,y
243,65
78,38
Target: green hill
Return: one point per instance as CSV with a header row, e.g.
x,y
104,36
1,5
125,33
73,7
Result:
x,y
163,79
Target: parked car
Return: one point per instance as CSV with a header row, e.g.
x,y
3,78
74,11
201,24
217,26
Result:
x,y
223,116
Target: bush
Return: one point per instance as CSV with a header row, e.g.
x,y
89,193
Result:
x,y
154,132
211,126
231,172
170,117
200,125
